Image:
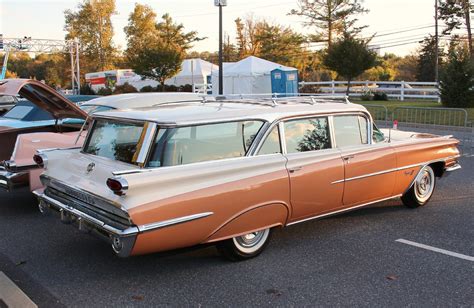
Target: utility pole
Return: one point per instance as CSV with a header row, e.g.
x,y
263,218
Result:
x,y
437,44
220,4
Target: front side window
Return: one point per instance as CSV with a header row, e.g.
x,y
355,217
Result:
x,y
307,135
350,130
115,140
192,144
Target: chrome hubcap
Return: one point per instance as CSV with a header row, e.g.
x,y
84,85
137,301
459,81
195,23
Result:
x,y
424,185
251,242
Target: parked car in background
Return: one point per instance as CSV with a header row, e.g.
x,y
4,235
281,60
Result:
x,y
6,103
228,172
41,111
20,170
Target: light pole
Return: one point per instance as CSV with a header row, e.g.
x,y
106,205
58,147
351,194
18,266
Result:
x,y
220,4
437,44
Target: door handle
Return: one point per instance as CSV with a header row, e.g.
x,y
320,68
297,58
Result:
x,y
347,158
293,170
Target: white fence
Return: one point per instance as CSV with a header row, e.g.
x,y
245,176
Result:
x,y
202,88
400,90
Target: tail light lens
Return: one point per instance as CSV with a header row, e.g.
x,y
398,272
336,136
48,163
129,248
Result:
x,y
39,160
118,185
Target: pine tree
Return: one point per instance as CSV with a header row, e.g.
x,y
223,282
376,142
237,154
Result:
x,y
457,78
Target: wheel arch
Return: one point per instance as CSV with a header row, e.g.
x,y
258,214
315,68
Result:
x,y
252,219
438,168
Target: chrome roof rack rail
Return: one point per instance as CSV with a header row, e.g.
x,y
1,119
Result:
x,y
273,101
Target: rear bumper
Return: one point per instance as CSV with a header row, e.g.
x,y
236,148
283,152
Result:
x,y
12,181
122,241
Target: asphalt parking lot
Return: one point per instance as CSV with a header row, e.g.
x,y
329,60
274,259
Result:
x,y
347,260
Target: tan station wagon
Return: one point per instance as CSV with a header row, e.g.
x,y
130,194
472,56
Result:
x,y
228,172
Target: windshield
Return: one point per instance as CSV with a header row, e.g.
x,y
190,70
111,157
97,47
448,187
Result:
x,y
191,144
18,112
115,140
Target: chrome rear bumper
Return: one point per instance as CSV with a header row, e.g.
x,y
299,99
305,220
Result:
x,y
11,181
122,241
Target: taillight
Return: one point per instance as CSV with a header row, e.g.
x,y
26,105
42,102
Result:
x,y
118,185
39,160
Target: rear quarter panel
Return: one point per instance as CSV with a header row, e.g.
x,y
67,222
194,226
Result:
x,y
245,195
412,155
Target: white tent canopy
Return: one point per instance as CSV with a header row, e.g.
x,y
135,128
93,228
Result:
x,y
193,71
251,75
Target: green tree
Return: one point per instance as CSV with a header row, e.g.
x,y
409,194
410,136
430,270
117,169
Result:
x,y
331,18
173,34
91,24
158,62
156,49
457,78
279,44
271,41
141,30
455,14
349,57
426,65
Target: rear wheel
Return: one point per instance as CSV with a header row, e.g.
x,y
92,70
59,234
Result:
x,y
422,189
246,246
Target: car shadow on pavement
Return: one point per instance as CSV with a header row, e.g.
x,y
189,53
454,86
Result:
x,y
18,203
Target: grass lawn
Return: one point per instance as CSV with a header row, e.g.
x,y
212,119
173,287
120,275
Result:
x,y
391,105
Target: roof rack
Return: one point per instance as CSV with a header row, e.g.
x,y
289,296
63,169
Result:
x,y
276,101
202,99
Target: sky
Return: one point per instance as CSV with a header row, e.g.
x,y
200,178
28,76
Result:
x,y
413,19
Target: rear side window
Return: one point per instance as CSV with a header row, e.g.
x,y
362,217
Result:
x,y
271,145
307,135
350,130
185,145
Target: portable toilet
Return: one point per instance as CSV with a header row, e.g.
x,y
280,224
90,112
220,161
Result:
x,y
285,81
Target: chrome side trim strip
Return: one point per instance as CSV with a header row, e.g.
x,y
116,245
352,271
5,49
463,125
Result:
x,y
342,210
171,222
394,170
367,175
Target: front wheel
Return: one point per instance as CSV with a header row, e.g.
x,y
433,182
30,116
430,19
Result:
x,y
422,189
246,246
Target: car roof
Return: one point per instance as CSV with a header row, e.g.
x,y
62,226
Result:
x,y
221,111
141,100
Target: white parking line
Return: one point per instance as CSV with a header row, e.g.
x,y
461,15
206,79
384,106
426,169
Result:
x,y
12,296
443,251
